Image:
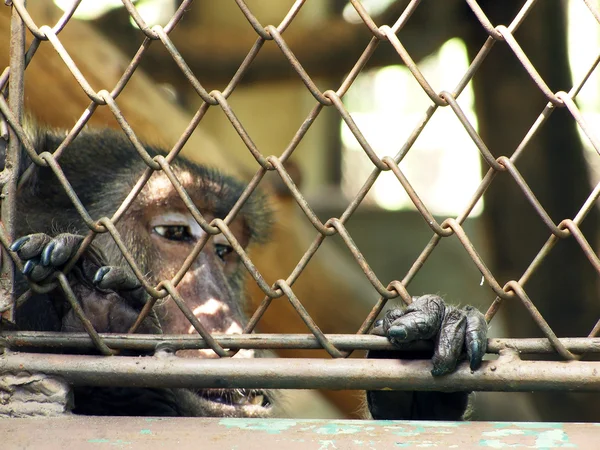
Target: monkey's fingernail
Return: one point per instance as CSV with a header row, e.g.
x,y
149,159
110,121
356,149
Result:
x,y
99,276
437,371
475,355
473,348
28,267
398,332
378,328
47,254
19,243
441,367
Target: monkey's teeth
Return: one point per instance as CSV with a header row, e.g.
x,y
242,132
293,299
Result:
x,y
238,397
256,400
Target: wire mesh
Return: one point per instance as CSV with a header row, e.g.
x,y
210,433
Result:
x,y
338,346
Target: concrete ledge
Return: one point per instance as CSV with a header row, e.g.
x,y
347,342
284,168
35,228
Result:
x,y
75,432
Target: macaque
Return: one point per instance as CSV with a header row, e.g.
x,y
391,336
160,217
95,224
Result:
x,y
102,166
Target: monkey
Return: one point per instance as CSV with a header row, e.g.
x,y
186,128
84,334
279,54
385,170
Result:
x,y
103,166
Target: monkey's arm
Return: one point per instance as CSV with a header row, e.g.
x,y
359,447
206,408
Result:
x,y
452,330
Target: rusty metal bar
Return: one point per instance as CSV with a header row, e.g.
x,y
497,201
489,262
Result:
x,y
10,174
148,342
508,373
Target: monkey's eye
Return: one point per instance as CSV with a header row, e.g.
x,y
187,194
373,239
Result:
x,y
222,247
223,250
179,233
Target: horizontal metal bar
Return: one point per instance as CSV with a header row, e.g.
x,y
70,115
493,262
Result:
x,y
149,342
507,373
294,434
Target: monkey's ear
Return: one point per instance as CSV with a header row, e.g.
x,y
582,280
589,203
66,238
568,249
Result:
x,y
42,138
295,173
3,147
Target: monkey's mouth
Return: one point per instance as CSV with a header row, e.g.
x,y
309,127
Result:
x,y
246,402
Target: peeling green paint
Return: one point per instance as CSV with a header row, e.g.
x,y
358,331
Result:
x,y
418,428
495,443
504,433
416,423
555,437
271,426
145,431
434,424
336,428
420,444
499,435
403,433
533,425
115,443
325,445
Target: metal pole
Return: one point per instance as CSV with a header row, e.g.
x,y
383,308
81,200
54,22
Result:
x,y
149,342
10,174
508,373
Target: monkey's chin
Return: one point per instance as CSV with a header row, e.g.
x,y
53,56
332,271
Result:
x,y
234,402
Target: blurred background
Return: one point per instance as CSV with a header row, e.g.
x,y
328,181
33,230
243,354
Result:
x,y
561,39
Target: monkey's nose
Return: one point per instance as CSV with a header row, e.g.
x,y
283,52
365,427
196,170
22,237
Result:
x,y
209,354
215,323
216,316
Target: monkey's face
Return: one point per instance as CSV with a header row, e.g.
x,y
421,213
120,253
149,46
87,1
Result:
x,y
212,287
208,286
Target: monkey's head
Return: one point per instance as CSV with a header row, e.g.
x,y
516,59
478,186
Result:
x,y
161,233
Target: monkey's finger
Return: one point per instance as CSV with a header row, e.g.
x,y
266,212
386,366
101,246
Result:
x,y
475,336
449,342
420,320
61,249
377,329
16,246
115,278
30,246
36,271
121,281
388,319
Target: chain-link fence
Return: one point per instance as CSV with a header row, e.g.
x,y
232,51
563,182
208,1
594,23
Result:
x,y
338,372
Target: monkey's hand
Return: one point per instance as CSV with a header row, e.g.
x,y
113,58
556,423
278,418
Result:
x,y
111,297
451,328
43,255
